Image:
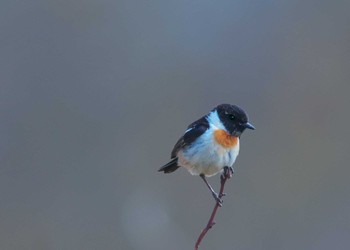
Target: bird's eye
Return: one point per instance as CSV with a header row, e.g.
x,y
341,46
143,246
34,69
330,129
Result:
x,y
231,117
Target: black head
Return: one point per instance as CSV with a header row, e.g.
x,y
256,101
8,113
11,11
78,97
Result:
x,y
234,119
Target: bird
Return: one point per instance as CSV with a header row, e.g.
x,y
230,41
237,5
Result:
x,y
211,144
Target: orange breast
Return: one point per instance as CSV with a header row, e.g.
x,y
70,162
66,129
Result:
x,y
225,139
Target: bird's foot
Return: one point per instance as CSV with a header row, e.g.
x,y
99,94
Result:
x,y
222,195
228,172
218,199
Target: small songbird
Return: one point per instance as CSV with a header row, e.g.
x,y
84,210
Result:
x,y
210,144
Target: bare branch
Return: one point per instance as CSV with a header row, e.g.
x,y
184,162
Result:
x,y
227,174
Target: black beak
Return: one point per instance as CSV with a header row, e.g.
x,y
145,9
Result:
x,y
248,125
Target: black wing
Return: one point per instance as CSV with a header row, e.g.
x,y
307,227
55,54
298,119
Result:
x,y
194,130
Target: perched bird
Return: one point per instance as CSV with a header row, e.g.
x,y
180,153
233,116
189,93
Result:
x,y
210,144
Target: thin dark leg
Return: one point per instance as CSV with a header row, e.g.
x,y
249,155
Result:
x,y
215,195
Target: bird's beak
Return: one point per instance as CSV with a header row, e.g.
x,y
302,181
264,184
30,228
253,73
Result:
x,y
248,125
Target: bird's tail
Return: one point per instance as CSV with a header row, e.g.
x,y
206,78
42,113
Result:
x,y
170,167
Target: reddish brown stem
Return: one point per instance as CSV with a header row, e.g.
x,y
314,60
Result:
x,y
223,178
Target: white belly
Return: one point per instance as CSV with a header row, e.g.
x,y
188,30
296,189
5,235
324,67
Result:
x,y
206,156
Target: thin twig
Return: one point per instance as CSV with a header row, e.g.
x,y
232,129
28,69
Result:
x,y
227,174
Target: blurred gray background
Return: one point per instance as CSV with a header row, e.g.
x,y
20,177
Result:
x,y
94,94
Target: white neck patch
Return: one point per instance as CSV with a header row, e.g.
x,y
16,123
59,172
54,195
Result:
x,y
214,120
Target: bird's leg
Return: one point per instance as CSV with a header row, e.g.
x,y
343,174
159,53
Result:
x,y
215,195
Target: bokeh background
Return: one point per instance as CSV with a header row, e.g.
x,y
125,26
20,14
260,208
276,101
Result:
x,y
94,94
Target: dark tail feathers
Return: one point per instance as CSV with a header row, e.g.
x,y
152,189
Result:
x,y
170,166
